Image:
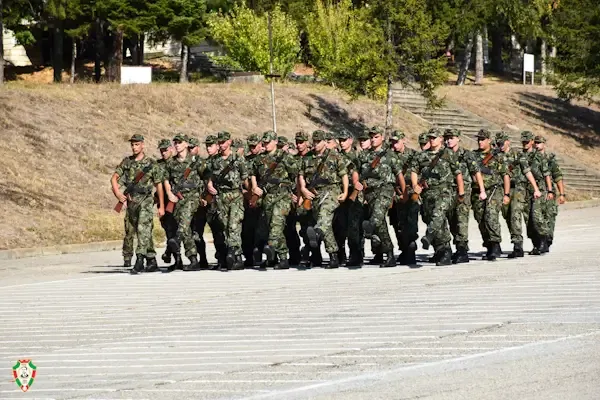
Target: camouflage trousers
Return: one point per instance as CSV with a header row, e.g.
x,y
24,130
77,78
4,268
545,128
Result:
x,y
347,224
407,215
184,212
513,213
487,214
436,204
230,211
458,218
277,207
323,209
534,213
139,222
551,214
379,201
207,215
168,223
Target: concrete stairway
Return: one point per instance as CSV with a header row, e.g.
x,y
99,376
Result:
x,y
577,178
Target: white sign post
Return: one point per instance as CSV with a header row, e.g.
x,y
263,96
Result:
x,y
528,66
136,75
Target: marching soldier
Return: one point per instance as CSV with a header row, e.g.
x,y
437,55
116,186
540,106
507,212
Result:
x,y
167,221
140,175
273,178
433,173
250,225
320,178
227,175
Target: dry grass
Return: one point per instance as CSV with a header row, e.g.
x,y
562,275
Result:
x,y
572,130
60,143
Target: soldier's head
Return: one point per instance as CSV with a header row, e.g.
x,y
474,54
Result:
x,y
452,138
254,144
319,140
238,146
137,144
302,142
194,146
180,141
166,149
376,135
540,143
484,139
331,142
527,140
502,141
224,139
424,141
436,138
364,140
212,145
345,139
269,140
282,143
398,140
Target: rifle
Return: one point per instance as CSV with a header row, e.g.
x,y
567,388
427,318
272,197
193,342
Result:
x,y
265,179
131,187
423,181
316,179
374,164
170,205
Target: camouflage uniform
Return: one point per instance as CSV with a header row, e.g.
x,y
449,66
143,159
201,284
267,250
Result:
x,y
229,199
331,168
552,210
290,232
185,208
276,199
487,212
167,221
140,204
251,231
438,196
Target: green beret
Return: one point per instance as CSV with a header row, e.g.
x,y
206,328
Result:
x,y
269,136
253,140
136,138
210,139
223,136
397,135
452,132
343,134
423,138
164,144
193,142
319,135
434,133
484,134
301,136
539,139
526,136
180,137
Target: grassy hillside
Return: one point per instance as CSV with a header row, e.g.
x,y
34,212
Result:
x,y
60,143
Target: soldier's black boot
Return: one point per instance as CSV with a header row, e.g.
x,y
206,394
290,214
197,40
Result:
x,y
314,235
544,245
230,259
390,262
282,264
334,261
151,265
535,252
316,259
270,253
408,257
491,253
305,255
497,250
127,263
194,265
166,257
139,265
445,257
425,242
238,263
178,262
517,251
342,257
462,256
355,259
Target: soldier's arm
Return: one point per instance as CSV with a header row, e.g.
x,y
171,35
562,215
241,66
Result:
x,y
254,185
481,185
561,189
115,188
344,195
303,190
460,183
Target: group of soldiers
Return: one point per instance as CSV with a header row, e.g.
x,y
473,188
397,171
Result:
x,y
340,188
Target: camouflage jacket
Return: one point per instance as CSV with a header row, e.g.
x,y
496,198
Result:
x,y
518,166
352,160
129,168
442,174
492,173
283,175
175,172
233,179
384,174
554,168
538,163
330,165
468,165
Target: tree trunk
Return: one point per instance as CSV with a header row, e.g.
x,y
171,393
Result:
x,y
550,66
141,43
134,47
389,106
99,47
73,59
497,64
479,59
57,51
183,71
116,57
1,46
464,67
486,51
544,61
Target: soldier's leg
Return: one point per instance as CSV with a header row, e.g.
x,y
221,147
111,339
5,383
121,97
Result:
x,y
379,205
438,226
540,223
145,224
130,223
184,212
552,214
340,228
324,214
492,223
198,226
478,207
232,205
461,236
354,227
218,235
291,236
395,221
280,209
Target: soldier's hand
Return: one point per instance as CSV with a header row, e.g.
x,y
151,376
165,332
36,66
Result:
x,y
122,198
161,212
308,194
506,200
550,196
342,197
203,203
358,186
461,198
483,196
537,194
294,198
257,191
211,189
172,198
418,189
562,199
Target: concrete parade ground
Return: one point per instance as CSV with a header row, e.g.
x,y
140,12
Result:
x,y
510,329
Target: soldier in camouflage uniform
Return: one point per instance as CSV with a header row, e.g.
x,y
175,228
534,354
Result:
x,y
273,177
250,224
535,207
380,171
488,205
433,173
140,204
557,178
194,146
167,221
185,193
404,215
348,216
459,213
520,176
364,145
321,178
228,173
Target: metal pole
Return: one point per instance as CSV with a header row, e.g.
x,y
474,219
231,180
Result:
x,y
271,72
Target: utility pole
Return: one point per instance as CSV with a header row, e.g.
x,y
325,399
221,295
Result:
x,y
271,75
